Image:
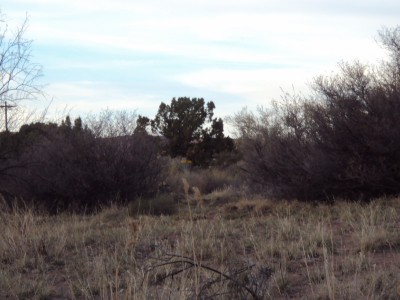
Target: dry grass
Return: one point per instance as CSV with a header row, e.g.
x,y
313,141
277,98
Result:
x,y
248,249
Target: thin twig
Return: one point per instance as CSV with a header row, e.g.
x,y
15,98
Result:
x,y
192,263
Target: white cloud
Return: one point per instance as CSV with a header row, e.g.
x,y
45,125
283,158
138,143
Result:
x,y
86,97
241,37
255,86
238,31
249,48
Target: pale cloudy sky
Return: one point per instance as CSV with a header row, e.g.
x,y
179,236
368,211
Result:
x,y
134,54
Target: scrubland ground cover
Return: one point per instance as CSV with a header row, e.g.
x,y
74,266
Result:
x,y
188,219
245,248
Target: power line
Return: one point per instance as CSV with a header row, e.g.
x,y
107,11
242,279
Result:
x,y
6,108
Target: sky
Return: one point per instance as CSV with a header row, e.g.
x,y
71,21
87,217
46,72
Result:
x,y
133,55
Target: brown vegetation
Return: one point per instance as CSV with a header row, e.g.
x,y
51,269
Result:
x,y
251,249
342,142
65,167
99,211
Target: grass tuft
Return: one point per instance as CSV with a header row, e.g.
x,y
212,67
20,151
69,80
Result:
x,y
251,248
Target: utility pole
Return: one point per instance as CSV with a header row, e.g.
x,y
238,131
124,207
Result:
x,y
6,107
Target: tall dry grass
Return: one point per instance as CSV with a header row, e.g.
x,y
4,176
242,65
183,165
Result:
x,y
249,249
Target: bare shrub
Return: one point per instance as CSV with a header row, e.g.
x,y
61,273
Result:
x,y
68,167
342,142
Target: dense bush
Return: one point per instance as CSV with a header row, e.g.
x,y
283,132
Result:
x,y
190,131
69,167
342,142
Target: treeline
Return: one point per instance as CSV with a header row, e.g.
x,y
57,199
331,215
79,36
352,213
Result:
x,y
112,157
341,142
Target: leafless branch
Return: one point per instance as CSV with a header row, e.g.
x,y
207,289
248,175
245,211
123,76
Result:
x,y
18,74
188,263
